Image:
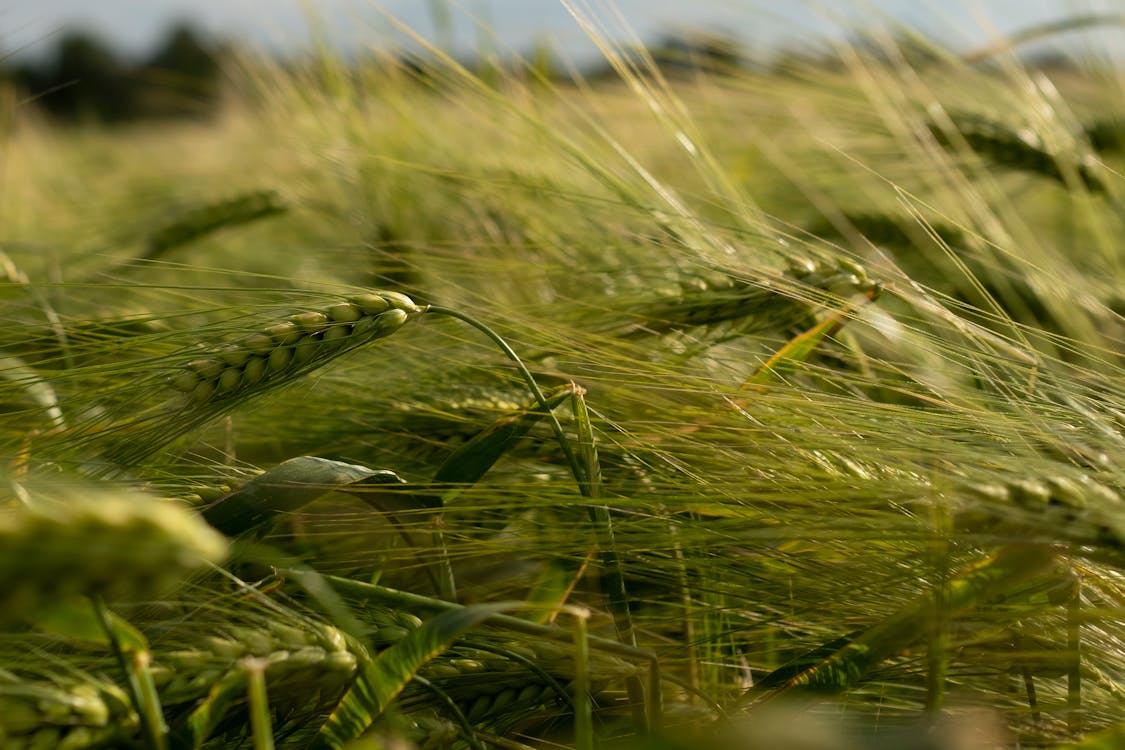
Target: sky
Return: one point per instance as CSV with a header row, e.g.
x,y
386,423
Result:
x,y
135,26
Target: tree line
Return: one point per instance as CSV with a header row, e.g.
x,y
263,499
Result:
x,y
84,79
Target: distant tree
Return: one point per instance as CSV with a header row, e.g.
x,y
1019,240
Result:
x,y
698,52
83,81
182,77
686,53
185,52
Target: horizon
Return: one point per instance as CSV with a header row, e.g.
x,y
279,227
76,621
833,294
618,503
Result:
x,y
515,26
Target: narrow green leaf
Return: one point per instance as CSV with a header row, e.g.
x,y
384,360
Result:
x,y
287,487
202,721
552,587
472,460
612,573
385,677
583,711
136,668
587,446
261,728
802,346
148,697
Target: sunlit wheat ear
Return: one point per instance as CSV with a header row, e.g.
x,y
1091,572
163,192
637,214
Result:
x,y
290,348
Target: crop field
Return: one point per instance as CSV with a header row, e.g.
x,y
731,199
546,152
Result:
x,y
418,404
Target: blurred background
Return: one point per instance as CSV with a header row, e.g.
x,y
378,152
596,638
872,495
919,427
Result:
x,y
120,60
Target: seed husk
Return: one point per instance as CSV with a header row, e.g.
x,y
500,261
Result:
x,y
389,634
504,699
184,381
389,322
306,349
344,312
254,370
230,380
340,661
336,335
285,333
370,304
279,359
310,322
259,343
234,355
203,392
208,369
364,326
529,695
400,301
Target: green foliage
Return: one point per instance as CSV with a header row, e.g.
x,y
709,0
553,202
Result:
x,y
382,679
785,382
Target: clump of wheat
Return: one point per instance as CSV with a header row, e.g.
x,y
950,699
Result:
x,y
118,545
493,681
1021,150
305,666
755,304
1078,508
63,713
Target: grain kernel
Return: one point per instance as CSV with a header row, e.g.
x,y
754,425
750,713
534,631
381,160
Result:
x,y
254,370
504,699
285,333
207,368
389,634
345,312
310,322
230,380
479,709
529,696
389,322
280,358
306,349
336,335
203,392
400,302
371,304
340,661
234,355
184,381
259,343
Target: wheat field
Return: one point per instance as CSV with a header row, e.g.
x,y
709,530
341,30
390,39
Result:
x,y
439,406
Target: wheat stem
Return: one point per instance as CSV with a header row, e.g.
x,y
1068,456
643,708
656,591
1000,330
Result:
x,y
575,466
